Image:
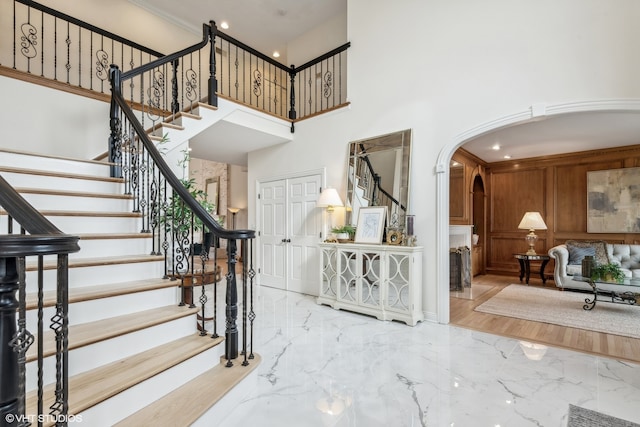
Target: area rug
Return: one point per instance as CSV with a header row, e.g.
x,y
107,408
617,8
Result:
x,y
581,417
472,292
565,309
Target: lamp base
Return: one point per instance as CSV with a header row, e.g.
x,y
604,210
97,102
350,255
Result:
x,y
531,239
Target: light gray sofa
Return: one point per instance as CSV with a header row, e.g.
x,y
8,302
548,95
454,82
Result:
x,y
626,256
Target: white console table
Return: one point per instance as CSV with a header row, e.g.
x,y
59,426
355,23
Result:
x,y
384,281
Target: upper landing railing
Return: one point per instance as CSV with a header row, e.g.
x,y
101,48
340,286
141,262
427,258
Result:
x,y
42,43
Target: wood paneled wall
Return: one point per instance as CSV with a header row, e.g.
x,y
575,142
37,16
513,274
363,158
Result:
x,y
555,186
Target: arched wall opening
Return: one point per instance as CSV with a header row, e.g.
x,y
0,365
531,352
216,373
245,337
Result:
x,y
534,113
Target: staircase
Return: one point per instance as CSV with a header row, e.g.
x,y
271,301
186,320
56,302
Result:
x,y
135,355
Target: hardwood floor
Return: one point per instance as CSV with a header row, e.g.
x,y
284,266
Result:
x,y
463,315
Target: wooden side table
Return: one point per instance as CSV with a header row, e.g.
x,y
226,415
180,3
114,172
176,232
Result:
x,y
525,265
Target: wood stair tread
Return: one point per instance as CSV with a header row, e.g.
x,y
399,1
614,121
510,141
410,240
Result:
x,y
88,293
92,262
186,404
92,332
50,156
52,192
95,386
88,214
40,172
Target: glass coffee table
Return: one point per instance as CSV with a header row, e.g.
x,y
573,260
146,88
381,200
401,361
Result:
x,y
631,296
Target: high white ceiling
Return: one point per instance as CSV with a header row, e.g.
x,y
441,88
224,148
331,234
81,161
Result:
x,y
557,135
268,25
265,25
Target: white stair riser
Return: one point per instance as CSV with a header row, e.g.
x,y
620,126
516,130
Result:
x,y
112,247
56,182
75,203
229,401
92,356
96,224
99,275
53,164
98,309
135,398
93,248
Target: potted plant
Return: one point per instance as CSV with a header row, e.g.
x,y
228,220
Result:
x,y
344,232
177,218
607,273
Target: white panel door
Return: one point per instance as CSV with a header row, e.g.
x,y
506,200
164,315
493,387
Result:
x,y
304,226
272,233
290,227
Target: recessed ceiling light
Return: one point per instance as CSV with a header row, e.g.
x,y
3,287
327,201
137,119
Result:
x,y
224,25
276,54
507,156
495,147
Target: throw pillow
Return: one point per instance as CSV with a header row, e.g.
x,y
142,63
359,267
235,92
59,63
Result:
x,y
577,253
600,247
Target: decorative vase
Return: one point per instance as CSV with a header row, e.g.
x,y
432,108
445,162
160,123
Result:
x,y
474,239
587,265
342,236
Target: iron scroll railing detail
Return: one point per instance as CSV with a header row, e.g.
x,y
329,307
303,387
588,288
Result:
x,y
37,237
57,46
52,45
174,216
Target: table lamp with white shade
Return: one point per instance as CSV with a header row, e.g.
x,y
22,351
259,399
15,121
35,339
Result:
x,y
532,221
329,198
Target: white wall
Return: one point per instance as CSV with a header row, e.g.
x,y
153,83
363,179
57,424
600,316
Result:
x,y
48,121
237,195
318,41
442,67
129,21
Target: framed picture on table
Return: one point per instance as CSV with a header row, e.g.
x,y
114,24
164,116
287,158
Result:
x,y
371,222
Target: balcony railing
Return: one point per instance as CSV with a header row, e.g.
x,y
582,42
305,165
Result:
x,y
43,43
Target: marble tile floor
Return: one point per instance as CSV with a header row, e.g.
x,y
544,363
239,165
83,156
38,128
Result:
x,y
324,367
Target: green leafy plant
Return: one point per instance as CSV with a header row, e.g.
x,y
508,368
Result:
x,y
178,213
607,272
347,228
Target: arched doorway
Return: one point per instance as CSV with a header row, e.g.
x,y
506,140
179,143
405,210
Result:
x,y
442,177
479,218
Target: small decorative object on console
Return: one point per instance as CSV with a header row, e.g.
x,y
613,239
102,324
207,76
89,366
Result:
x,y
394,236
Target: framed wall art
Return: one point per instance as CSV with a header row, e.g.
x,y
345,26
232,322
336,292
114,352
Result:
x,y
613,201
371,223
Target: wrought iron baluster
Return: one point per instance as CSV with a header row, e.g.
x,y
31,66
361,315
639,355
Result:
x,y
231,313
252,313
216,279
60,325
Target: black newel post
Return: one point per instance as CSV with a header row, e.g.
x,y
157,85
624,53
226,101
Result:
x,y
292,96
213,83
8,357
231,331
175,105
115,152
